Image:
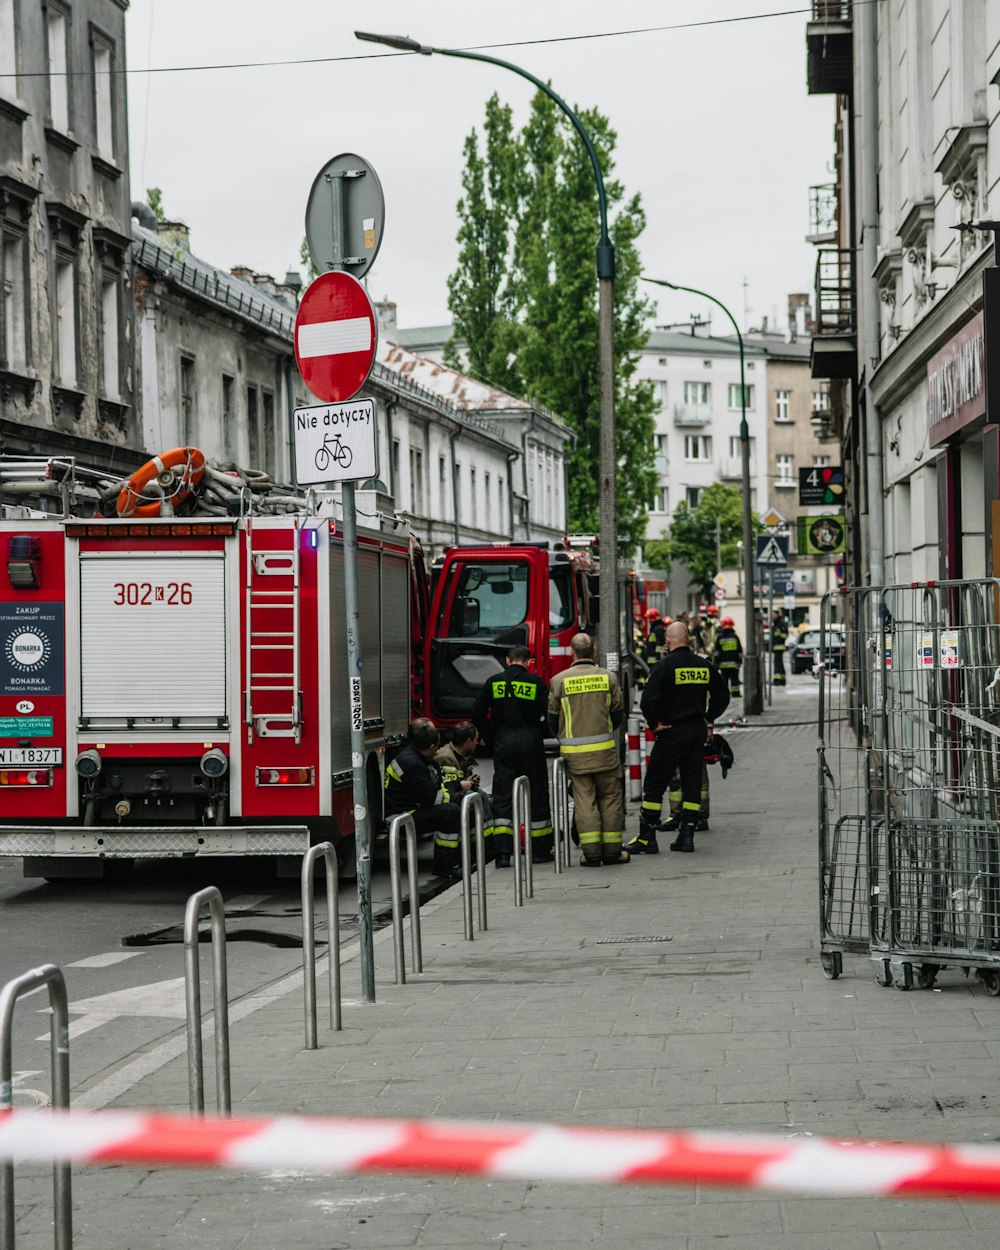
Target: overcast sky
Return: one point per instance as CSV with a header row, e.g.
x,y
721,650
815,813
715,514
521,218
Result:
x,y
715,130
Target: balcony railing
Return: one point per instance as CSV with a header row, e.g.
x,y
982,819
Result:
x,y
829,49
692,414
835,311
823,213
731,469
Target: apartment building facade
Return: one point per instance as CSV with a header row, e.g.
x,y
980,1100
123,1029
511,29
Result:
x,y
902,281
67,363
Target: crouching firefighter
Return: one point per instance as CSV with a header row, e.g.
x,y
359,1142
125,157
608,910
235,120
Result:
x,y
585,709
414,787
684,695
510,709
457,761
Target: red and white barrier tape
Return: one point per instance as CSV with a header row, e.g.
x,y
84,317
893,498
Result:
x,y
514,1151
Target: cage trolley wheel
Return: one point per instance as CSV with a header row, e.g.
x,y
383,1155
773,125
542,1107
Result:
x,y
833,964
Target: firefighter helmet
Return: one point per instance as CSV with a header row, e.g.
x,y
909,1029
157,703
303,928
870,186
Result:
x,y
718,751
652,614
711,610
726,622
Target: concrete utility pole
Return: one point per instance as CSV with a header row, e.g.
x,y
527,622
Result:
x,y
753,702
608,456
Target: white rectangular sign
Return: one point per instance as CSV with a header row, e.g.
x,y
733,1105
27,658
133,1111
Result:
x,y
335,442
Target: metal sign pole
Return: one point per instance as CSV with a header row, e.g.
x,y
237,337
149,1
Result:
x,y
362,826
352,621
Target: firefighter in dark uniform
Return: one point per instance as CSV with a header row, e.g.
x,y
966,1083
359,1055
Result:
x,y
414,786
779,644
511,710
682,699
654,639
728,655
457,762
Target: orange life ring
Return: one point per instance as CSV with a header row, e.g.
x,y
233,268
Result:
x,y
193,471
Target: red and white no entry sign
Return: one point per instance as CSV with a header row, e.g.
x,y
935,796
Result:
x,y
335,337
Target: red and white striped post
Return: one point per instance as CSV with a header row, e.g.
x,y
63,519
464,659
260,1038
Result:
x,y
634,759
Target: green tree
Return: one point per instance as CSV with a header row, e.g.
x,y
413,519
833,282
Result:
x,y
525,295
480,291
694,532
305,260
154,198
656,555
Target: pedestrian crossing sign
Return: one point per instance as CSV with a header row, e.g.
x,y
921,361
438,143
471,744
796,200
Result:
x,y
772,549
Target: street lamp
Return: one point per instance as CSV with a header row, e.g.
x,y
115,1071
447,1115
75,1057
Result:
x,y
753,702
609,624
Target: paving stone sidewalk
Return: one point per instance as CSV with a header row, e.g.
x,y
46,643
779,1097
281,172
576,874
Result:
x,y
730,1024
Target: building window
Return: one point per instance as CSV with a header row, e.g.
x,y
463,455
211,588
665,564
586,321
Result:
x,y
783,470
733,394
487,519
229,414
253,434
110,322
660,499
697,447
662,360
697,392
442,479
782,405
8,49
417,481
66,321
57,31
500,506
188,414
750,366
104,125
14,306
473,500
395,465
692,495
458,491
820,401
736,447
706,364
269,449
821,462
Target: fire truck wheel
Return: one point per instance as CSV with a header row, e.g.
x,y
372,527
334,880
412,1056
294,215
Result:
x,y
191,463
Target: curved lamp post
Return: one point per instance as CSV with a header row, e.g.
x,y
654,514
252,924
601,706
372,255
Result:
x,y
609,625
753,702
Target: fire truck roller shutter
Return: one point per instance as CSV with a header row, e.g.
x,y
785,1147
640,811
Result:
x,y
370,613
395,643
153,636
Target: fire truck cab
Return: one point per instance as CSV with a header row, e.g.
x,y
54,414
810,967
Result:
x,y
488,599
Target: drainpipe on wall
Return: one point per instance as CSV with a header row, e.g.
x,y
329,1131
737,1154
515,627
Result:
x,y
390,409
290,409
512,456
865,15
452,440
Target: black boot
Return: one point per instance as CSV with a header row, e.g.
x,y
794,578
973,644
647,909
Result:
x,y
502,860
684,840
645,843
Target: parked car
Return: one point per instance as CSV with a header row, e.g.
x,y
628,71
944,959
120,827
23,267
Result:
x,y
805,651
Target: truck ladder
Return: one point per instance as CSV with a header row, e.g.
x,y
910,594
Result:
x,y
272,636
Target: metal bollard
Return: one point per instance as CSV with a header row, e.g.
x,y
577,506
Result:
x,y
211,897
472,803
405,823
521,809
324,849
560,813
51,976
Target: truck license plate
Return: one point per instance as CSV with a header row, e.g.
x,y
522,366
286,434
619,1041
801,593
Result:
x,y
30,756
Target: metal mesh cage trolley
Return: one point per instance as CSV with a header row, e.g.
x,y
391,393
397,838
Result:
x,y
910,781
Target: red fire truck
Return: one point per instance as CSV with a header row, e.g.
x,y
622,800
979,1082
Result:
x,y
488,599
177,686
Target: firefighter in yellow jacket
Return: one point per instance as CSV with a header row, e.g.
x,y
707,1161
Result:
x,y
585,709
